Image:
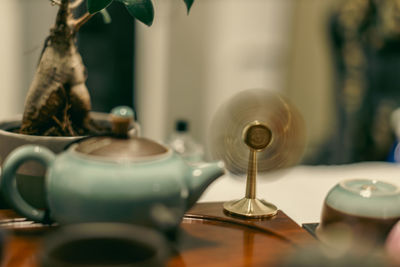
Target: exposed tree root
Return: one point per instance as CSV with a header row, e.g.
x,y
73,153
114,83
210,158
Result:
x,y
58,102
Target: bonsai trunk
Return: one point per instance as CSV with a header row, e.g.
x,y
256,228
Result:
x,y
58,102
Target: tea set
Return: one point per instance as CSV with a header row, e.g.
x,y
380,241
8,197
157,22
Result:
x,y
126,179
112,178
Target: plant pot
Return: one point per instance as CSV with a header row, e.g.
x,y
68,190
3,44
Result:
x,y
30,176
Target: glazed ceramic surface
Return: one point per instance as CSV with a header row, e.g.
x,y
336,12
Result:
x,y
149,190
30,175
364,197
362,211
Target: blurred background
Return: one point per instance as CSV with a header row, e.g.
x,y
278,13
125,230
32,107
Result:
x,y
336,60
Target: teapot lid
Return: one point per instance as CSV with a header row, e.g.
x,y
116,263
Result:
x,y
134,148
123,144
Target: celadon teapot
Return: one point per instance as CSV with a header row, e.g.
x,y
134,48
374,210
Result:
x,y
112,179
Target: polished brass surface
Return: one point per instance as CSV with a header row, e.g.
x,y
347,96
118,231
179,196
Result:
x,y
268,128
280,121
257,137
250,208
251,175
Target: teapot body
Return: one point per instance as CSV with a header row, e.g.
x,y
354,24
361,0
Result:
x,y
153,190
112,178
80,189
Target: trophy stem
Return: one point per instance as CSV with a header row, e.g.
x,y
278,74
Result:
x,y
257,137
251,175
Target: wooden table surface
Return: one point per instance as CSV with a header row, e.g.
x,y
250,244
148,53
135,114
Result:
x,y
208,237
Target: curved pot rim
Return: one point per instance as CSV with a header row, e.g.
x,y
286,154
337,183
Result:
x,y
15,119
144,159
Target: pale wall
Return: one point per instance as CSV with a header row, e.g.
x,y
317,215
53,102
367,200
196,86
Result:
x,y
188,65
10,63
311,75
24,24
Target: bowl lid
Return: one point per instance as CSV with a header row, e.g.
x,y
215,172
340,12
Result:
x,y
370,188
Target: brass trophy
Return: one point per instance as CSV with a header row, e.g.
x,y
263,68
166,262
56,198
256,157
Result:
x,y
256,131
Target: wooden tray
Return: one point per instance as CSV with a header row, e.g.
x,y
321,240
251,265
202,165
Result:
x,y
208,238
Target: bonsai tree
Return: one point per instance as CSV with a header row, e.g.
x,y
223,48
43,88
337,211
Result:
x,y
58,102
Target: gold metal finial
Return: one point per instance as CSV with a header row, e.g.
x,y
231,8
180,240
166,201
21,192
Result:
x,y
257,137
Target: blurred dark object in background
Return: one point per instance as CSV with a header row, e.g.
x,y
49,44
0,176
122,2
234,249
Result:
x,y
108,54
365,37
322,255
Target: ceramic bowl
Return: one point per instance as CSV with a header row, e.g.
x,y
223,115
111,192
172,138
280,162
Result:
x,y
363,208
104,244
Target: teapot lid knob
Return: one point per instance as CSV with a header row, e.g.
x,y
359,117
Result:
x,y
121,118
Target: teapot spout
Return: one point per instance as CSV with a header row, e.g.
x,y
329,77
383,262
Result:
x,y
200,178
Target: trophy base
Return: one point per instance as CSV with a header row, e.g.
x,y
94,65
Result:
x,y
250,208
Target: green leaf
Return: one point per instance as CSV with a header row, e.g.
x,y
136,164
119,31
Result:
x,y
94,6
106,16
142,10
189,4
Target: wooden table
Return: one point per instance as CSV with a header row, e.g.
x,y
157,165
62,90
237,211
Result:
x,y
208,237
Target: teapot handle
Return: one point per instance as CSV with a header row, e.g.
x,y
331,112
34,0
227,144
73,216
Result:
x,y
9,184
